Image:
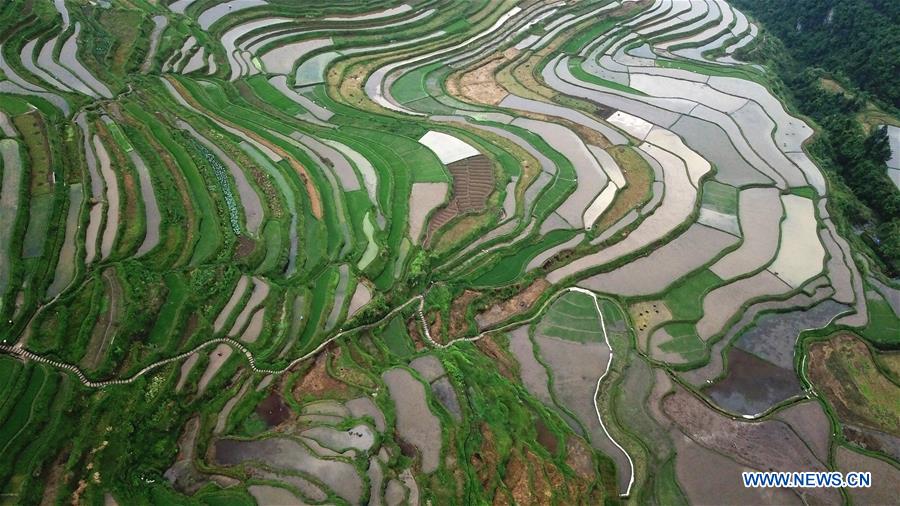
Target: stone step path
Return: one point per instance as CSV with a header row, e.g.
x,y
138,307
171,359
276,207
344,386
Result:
x,y
23,353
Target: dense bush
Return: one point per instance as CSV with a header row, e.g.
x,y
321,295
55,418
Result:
x,y
853,158
857,38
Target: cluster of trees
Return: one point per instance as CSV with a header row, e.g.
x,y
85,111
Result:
x,y
827,38
856,38
858,157
860,160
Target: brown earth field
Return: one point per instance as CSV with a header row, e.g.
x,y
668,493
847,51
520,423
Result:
x,y
502,359
458,309
273,410
843,371
516,304
473,183
646,316
107,324
637,191
316,381
479,85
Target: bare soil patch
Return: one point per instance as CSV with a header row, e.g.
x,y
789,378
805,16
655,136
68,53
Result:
x,y
459,324
646,316
107,324
316,381
502,361
479,84
243,247
423,199
273,410
516,480
485,460
516,304
580,458
546,437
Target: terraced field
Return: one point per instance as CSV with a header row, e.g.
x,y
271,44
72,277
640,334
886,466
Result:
x,y
431,252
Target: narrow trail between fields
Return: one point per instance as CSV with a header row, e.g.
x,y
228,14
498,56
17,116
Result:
x,y
21,352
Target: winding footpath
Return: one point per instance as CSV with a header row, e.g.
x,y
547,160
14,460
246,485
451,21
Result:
x,y
23,353
603,376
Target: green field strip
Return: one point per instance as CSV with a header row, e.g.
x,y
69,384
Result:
x,y
209,232
43,446
39,214
573,317
272,236
217,101
121,140
212,165
401,184
11,190
423,163
520,431
563,181
14,378
685,300
498,154
23,411
506,269
371,246
314,248
720,197
320,299
684,342
267,93
370,151
743,72
39,146
883,328
173,203
170,316
666,488
575,68
411,86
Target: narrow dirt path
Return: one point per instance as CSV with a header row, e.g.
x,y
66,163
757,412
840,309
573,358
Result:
x,y
24,353
21,352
